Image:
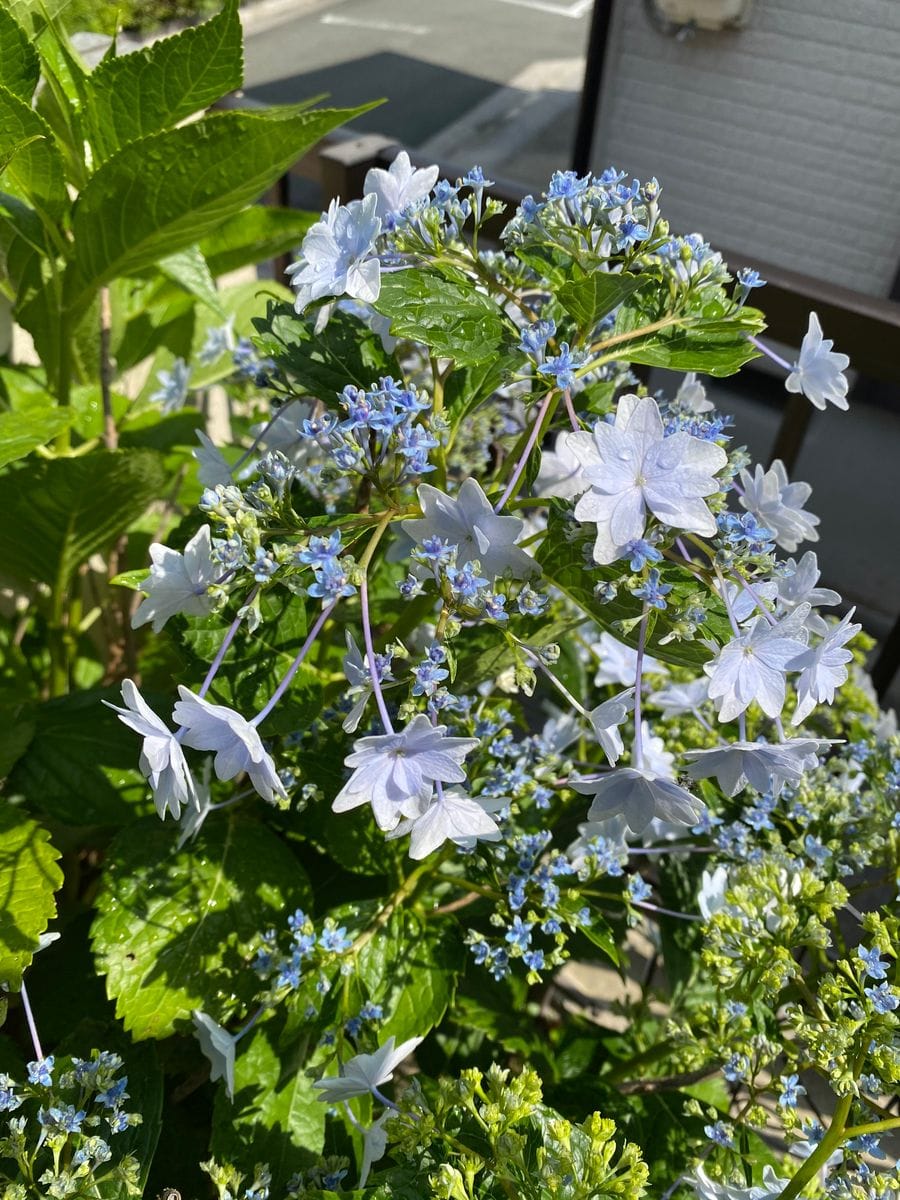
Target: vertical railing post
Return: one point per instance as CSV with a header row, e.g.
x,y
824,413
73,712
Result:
x,y
590,89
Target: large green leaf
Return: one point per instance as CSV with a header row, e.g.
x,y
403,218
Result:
x,y
714,347
322,364
276,1112
411,969
165,192
566,564
19,65
80,765
252,236
588,300
189,269
175,929
22,432
133,95
453,321
58,513
28,878
35,171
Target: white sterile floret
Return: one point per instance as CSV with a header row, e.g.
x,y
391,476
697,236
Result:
x,y
374,1146
818,373
468,522
237,745
691,396
453,816
396,772
707,1189
639,796
364,1073
162,760
741,601
618,662
823,668
212,466
397,187
778,505
560,472
633,468
797,585
605,720
654,755
754,665
676,699
761,765
177,583
713,886
338,256
217,1044
360,681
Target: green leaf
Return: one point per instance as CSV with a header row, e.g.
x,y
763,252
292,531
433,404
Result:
x,y
133,95
716,348
588,300
188,268
468,387
566,566
175,929
156,196
322,364
454,321
19,64
80,766
22,432
28,878
254,235
58,513
411,968
35,172
276,1111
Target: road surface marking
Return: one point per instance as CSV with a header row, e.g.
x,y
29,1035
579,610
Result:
x,y
381,26
576,9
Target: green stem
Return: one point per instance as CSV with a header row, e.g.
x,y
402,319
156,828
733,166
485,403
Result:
x,y
834,1135
872,1127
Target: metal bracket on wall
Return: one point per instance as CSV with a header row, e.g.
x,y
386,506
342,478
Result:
x,y
683,18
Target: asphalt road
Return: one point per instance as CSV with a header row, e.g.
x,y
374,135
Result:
x,y
431,60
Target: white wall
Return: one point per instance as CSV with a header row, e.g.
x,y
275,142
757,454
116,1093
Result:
x,y
780,140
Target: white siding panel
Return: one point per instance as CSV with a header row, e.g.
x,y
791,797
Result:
x,y
780,140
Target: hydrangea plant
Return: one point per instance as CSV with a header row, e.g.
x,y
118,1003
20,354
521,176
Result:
x,y
468,664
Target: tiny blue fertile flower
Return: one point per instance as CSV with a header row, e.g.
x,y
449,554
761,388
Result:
x,y
720,1134
40,1072
791,1091
519,933
884,998
652,591
872,962
563,366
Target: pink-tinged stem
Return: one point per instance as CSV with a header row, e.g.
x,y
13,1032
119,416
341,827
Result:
x,y
776,358
370,656
637,754
667,912
757,600
570,409
736,630
256,441
226,642
523,458
295,665
32,1028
